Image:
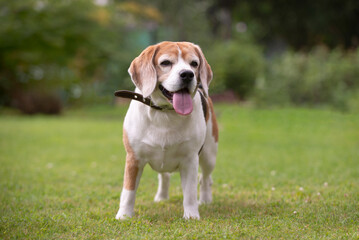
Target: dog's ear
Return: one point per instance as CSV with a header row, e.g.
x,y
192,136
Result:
x,y
143,72
205,71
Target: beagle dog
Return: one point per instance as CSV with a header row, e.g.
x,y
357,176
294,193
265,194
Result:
x,y
177,131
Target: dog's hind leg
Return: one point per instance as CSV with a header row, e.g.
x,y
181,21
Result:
x,y
163,187
207,159
207,162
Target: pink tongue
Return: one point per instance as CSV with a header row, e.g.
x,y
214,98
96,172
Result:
x,y
182,102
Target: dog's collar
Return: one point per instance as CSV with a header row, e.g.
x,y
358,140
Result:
x,y
139,97
147,101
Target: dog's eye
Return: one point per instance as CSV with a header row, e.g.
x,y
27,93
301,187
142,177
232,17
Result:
x,y
165,63
194,64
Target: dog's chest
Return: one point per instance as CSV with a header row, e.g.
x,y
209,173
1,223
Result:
x,y
165,149
165,158
164,141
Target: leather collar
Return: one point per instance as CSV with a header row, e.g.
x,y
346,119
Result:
x,y
147,101
139,97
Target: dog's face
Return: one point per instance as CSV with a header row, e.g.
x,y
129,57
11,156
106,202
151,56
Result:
x,y
170,72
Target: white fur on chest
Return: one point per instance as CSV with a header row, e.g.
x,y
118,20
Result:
x,y
164,139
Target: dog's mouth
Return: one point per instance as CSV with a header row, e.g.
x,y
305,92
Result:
x,y
166,93
181,100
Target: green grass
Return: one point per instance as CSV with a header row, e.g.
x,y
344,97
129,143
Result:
x,y
281,174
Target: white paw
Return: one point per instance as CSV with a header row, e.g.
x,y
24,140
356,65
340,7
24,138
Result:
x,y
191,214
161,197
124,214
205,198
203,201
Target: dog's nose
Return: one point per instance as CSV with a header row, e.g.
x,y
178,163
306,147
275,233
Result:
x,y
186,76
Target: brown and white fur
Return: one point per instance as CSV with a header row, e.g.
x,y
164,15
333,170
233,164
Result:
x,y
166,140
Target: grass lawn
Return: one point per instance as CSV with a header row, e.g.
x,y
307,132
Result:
x,y
281,174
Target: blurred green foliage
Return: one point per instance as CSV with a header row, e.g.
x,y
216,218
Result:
x,y
236,65
46,44
79,50
302,24
320,77
58,46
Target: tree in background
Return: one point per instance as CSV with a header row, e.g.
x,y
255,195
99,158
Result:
x,y
51,46
300,24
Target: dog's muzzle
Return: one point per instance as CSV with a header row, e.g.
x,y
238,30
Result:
x,y
181,100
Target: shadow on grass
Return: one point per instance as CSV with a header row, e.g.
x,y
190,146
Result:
x,y
227,207
223,207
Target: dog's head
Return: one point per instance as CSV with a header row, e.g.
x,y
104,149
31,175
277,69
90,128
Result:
x,y
169,72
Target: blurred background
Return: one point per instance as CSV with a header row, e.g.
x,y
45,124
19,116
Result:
x,y
73,53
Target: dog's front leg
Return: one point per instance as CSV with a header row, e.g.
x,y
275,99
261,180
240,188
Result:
x,y
189,171
131,180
